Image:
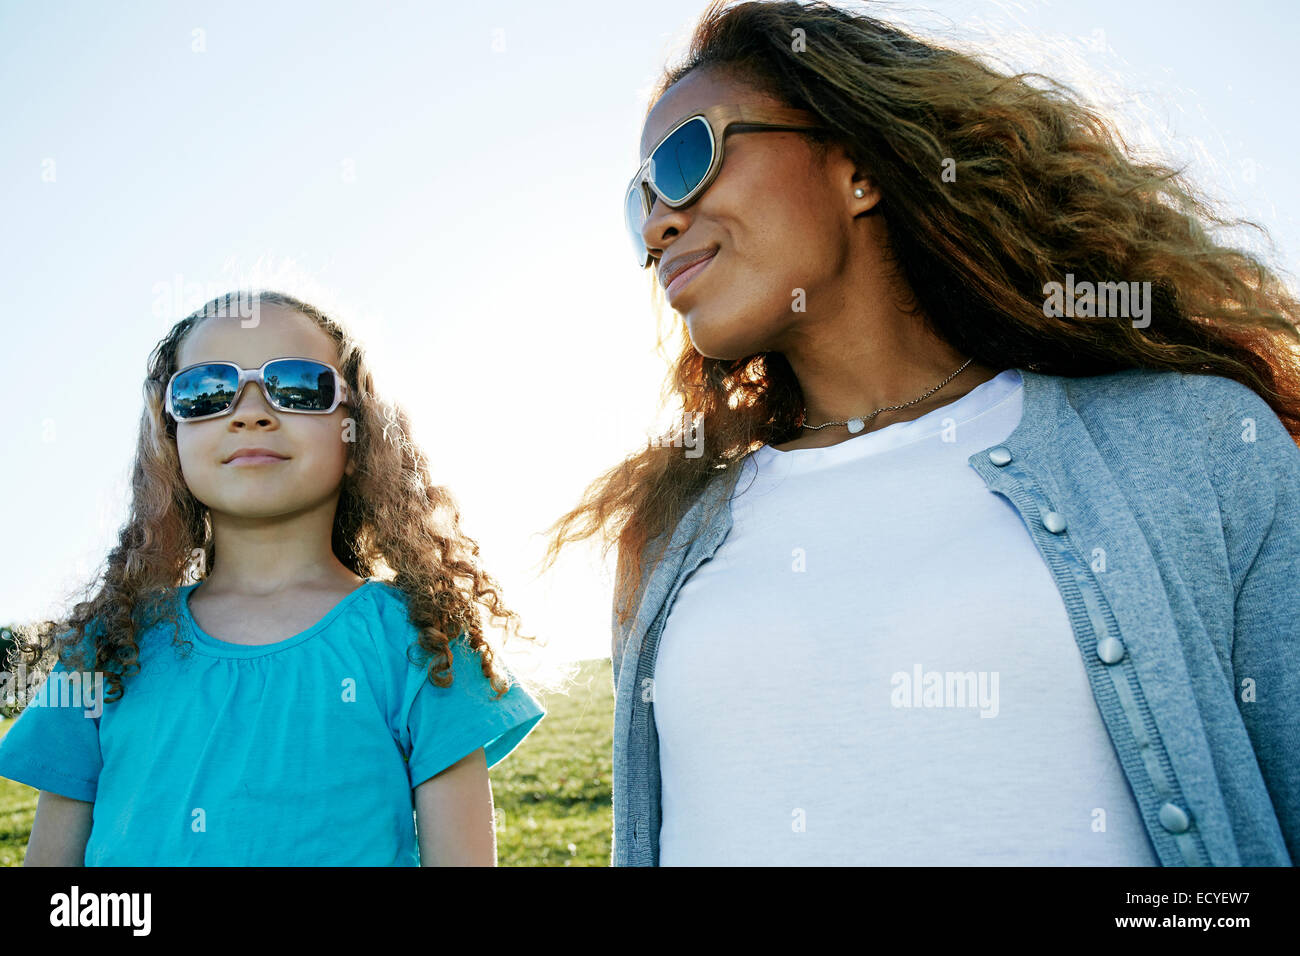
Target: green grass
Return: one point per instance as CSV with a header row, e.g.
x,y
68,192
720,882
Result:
x,y
553,794
17,808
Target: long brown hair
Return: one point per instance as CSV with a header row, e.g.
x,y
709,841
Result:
x,y
1044,187
391,522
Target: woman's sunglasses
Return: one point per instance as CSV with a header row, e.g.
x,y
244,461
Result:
x,y
687,160
210,389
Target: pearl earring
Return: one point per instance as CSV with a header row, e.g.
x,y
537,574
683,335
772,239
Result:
x,y
859,192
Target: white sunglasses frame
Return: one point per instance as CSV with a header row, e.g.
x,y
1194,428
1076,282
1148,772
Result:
x,y
342,393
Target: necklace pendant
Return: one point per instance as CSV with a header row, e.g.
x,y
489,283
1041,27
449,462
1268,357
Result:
x,y
855,425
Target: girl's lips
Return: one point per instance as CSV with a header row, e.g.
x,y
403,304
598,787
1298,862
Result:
x,y
254,460
686,275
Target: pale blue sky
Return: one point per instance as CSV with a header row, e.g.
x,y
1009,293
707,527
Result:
x,y
425,169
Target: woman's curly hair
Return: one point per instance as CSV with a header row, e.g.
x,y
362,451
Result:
x,y
1044,186
391,522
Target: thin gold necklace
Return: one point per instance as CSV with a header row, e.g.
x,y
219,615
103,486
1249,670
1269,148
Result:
x,y
856,425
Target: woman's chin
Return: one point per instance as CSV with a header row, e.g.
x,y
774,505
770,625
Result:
x,y
727,339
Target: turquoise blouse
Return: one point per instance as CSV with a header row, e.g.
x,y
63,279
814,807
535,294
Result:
x,y
303,752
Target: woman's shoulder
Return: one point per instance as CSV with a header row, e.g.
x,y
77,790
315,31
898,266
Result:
x,y
1182,423
1156,389
1216,410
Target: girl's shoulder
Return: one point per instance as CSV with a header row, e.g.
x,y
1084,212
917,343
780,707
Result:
x,y
387,600
383,601
385,609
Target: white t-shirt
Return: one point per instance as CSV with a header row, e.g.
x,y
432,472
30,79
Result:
x,y
799,668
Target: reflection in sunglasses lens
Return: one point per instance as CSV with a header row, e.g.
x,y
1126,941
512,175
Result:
x,y
301,385
634,215
203,390
681,161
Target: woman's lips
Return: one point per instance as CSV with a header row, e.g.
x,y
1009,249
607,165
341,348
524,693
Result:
x,y
686,275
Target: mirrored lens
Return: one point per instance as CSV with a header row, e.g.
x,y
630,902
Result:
x,y
681,161
203,390
300,385
634,216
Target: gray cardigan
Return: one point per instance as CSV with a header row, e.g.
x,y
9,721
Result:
x,y
1190,635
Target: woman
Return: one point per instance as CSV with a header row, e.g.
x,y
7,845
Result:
x,y
966,553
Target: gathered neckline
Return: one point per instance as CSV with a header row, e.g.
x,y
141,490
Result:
x,y
206,643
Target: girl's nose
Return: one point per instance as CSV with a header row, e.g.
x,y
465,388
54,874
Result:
x,y
252,406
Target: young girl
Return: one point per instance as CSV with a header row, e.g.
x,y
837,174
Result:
x,y
323,692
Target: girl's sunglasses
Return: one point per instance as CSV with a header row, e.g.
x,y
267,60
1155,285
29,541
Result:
x,y
687,160
210,389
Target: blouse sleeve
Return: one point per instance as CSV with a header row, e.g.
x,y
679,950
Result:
x,y
1256,470
444,724
1266,641
54,743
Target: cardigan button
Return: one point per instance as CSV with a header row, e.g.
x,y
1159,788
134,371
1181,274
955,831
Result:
x,y
1110,650
1000,455
1054,522
1174,818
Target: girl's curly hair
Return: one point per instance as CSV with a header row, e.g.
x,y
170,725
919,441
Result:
x,y
1044,186
391,522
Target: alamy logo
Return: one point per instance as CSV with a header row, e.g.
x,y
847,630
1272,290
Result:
x,y
946,689
102,909
1126,299
687,433
62,688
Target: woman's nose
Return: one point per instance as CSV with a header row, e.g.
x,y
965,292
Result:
x,y
663,223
